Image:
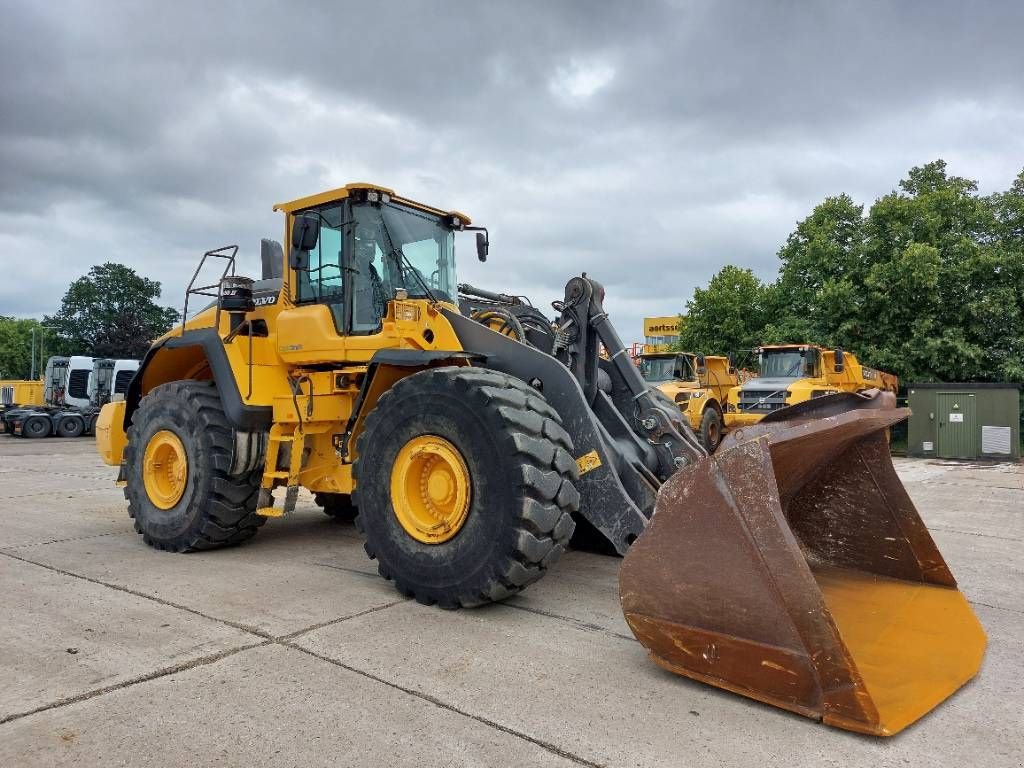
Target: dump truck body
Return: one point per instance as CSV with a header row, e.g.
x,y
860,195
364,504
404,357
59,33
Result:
x,y
466,449
698,384
794,373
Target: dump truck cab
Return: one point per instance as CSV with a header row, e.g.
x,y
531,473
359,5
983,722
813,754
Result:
x,y
698,384
790,374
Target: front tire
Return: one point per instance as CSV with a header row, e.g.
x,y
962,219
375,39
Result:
x,y
179,453
336,505
711,429
487,457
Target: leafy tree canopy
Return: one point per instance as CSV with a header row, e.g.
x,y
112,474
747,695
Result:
x,y
111,312
928,285
16,347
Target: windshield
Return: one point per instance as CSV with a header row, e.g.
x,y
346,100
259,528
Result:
x,y
655,369
787,363
384,234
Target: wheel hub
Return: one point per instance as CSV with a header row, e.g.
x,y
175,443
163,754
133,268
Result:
x,y
430,489
165,469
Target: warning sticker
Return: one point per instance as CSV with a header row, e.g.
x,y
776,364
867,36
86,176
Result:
x,y
955,418
588,461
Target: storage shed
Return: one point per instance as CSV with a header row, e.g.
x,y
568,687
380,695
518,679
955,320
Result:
x,y
964,421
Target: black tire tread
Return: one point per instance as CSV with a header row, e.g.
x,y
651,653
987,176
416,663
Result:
x,y
335,505
230,509
547,478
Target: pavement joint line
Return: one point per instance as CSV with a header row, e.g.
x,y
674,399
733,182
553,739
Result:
x,y
154,675
51,493
62,541
979,485
356,571
972,533
546,745
283,639
119,588
578,623
997,607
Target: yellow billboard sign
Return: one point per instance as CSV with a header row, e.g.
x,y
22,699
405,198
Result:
x,y
661,326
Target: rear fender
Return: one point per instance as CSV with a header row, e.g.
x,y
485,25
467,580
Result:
x,y
195,354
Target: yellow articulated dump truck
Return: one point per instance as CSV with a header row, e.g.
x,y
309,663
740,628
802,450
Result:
x,y
790,374
698,384
790,567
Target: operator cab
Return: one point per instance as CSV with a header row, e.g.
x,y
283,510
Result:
x,y
365,247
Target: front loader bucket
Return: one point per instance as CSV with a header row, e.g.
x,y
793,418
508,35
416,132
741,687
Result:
x,y
793,568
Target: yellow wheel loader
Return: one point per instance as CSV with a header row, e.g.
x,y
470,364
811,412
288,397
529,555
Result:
x,y
791,567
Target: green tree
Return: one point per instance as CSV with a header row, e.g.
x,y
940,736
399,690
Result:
x,y
111,312
725,318
939,291
815,296
1000,310
16,347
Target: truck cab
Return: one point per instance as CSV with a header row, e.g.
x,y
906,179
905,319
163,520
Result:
x,y
698,384
794,373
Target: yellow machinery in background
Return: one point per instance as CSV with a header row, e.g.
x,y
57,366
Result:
x,y
466,456
698,384
20,392
790,374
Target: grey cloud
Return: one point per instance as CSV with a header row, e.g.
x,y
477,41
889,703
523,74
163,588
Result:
x,y
646,143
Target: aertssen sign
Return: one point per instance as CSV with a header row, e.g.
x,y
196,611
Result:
x,y
661,326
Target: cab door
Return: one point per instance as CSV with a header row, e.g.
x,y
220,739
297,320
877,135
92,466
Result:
x,y
312,329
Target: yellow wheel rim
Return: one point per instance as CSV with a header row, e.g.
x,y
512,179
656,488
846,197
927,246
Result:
x,y
165,469
430,489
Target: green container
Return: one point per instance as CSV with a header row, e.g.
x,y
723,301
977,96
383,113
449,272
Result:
x,y
964,421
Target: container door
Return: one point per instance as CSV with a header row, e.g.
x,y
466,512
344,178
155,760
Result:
x,y
955,412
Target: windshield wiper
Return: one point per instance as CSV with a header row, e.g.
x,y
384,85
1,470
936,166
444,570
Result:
x,y
395,252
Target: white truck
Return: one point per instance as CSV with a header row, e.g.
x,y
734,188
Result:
x,y
74,390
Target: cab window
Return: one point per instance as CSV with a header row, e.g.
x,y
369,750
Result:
x,y
323,281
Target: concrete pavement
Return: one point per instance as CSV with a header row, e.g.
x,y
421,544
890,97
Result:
x,y
291,651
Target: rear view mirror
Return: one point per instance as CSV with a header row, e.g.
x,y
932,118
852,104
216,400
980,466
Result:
x,y
298,260
305,231
840,363
482,245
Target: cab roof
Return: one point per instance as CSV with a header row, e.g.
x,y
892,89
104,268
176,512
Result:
x,y
342,192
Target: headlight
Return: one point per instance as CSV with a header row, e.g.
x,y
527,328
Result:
x,y
698,393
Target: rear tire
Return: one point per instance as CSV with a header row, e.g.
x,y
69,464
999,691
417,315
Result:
x,y
215,509
520,470
711,429
71,426
36,426
336,505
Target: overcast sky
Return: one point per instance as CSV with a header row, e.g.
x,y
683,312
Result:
x,y
645,143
